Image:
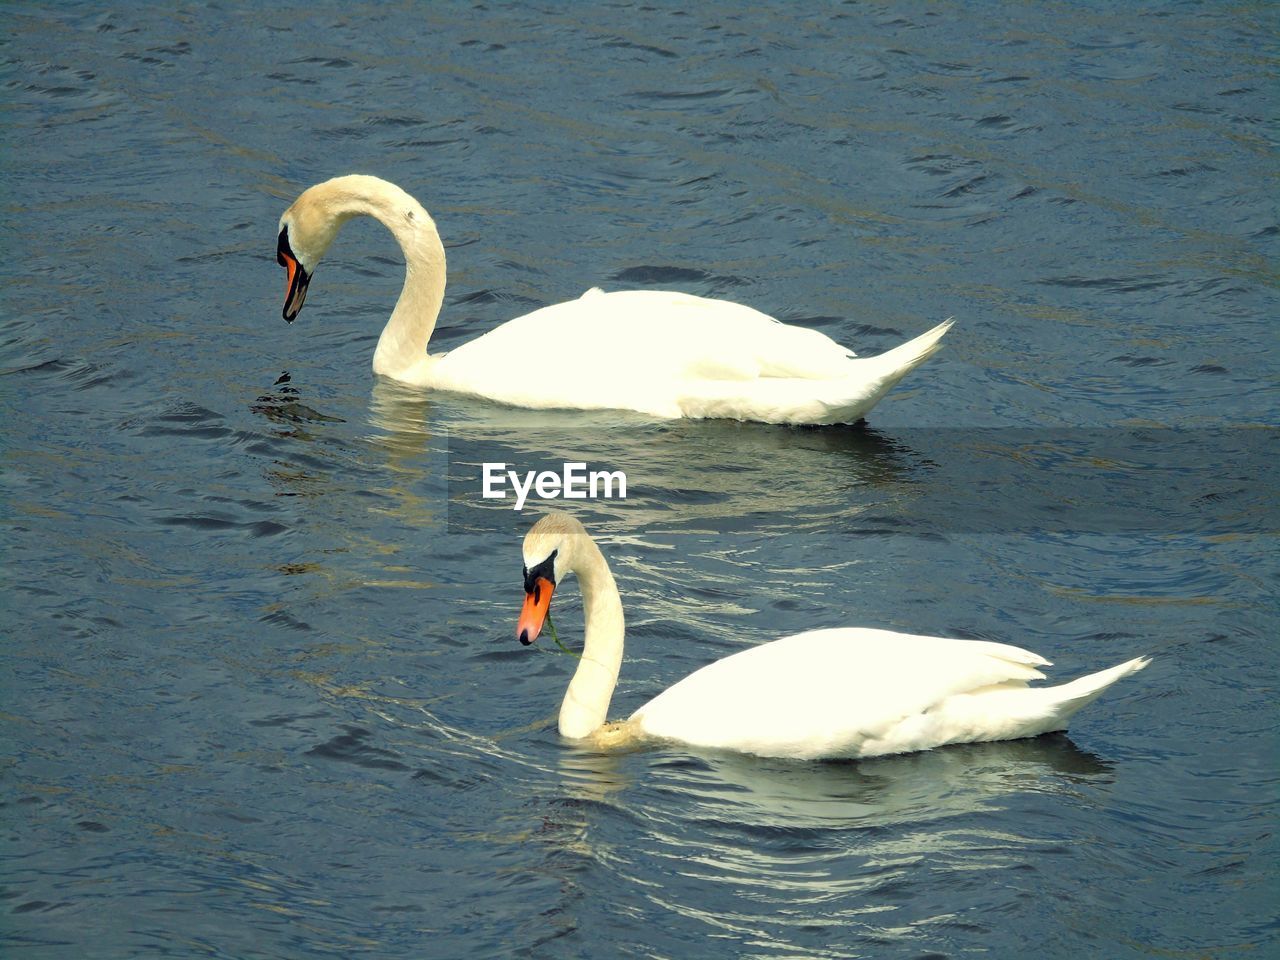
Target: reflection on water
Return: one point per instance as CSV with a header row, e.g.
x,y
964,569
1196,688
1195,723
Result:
x,y
729,476
682,474
400,417
886,791
768,794
843,847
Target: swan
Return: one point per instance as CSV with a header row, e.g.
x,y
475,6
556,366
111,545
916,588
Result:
x,y
661,353
826,694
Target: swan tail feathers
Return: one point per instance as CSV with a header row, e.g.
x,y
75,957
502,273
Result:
x,y
850,399
900,361
1070,698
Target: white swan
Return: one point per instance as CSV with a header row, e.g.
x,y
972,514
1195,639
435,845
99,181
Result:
x,y
664,354
842,693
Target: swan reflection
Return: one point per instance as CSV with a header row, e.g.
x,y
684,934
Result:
x,y
718,474
844,844
756,793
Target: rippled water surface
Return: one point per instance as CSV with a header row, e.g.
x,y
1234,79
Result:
x,y
261,696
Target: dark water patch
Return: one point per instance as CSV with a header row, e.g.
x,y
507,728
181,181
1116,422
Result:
x,y
56,91
1141,361
210,523
965,187
342,133
489,48
81,374
940,164
919,91
180,49
1185,171
653,275
431,144
620,44
190,420
339,63
395,121
213,256
1132,284
1220,496
484,296
286,720
145,59
44,366
1209,368
681,95
1181,288
234,817
353,747
529,268
704,180
1187,107
502,655
953,69
435,776
1108,636
42,906
284,619
291,78
863,330
297,569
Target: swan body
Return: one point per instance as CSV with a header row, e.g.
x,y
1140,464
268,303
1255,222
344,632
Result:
x,y
661,353
825,694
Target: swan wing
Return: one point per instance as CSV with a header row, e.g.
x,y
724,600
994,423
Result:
x,y
642,349
831,693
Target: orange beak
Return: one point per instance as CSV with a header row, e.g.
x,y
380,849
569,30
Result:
x,y
536,604
296,288
296,280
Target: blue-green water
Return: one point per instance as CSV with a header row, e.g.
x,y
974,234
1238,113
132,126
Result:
x,y
261,695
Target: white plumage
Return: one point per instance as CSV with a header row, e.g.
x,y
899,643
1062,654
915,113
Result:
x,y
857,692
661,353
839,693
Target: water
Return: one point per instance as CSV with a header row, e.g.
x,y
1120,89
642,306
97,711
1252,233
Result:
x,y
262,697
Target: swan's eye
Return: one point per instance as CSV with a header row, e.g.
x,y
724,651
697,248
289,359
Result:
x,y
546,570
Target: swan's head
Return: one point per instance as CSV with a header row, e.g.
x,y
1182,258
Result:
x,y
306,230
550,552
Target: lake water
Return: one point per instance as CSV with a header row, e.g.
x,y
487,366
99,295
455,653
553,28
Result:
x,y
261,695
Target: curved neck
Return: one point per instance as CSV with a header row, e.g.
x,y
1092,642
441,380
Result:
x,y
404,339
586,702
